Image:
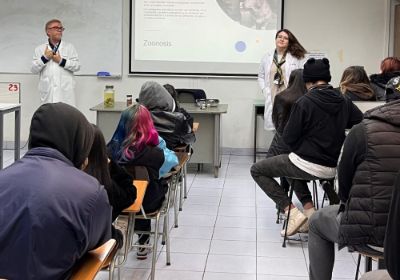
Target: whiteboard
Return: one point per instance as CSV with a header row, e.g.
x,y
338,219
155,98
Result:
x,y
94,27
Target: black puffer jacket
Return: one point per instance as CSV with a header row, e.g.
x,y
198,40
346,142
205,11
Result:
x,y
378,83
375,154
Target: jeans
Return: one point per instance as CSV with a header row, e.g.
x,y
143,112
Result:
x,y
264,172
322,235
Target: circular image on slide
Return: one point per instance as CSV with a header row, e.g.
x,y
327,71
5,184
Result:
x,y
255,14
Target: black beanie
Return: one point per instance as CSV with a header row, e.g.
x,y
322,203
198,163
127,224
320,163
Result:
x,y
316,70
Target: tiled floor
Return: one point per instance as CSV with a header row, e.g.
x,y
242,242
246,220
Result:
x,y
227,230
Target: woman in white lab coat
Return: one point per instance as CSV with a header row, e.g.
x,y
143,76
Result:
x,y
55,62
275,69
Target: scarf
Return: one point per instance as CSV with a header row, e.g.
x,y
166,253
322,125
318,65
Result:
x,y
278,78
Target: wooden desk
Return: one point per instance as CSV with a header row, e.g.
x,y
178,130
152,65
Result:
x,y
4,109
258,111
207,148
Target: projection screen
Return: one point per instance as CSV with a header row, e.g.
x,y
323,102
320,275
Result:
x,y
202,38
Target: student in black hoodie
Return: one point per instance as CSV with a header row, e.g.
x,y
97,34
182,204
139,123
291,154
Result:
x,y
314,134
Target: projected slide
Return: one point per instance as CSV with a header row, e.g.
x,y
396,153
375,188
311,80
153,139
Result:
x,y
209,37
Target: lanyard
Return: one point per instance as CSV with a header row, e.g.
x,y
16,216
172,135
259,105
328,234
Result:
x,y
54,48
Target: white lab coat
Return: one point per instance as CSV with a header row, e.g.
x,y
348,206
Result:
x,y
56,83
291,64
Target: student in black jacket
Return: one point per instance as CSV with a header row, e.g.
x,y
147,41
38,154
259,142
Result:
x,y
118,184
366,175
314,134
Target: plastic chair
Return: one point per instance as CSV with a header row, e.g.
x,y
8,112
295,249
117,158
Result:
x,y
162,212
91,263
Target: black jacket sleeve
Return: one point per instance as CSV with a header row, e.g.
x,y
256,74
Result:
x,y
354,150
123,192
356,116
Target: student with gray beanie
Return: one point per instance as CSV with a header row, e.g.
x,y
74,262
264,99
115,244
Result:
x,y
314,134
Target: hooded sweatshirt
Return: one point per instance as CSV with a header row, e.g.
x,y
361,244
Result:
x,y
52,213
155,97
172,126
316,127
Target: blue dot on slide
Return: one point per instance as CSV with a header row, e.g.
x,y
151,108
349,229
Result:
x,y
240,46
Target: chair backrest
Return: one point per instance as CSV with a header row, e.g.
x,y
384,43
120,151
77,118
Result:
x,y
187,95
88,267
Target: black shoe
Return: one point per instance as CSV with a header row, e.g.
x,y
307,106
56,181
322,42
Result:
x,y
330,192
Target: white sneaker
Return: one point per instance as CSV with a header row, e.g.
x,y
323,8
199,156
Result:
x,y
308,213
296,220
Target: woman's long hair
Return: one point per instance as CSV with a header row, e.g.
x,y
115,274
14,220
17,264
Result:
x,y
355,80
140,131
294,47
98,160
285,99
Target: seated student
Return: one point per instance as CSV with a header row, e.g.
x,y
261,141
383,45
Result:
x,y
314,134
367,173
178,108
172,126
52,212
393,89
136,143
118,184
355,84
390,68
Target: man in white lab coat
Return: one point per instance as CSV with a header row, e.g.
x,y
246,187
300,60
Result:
x,y
55,62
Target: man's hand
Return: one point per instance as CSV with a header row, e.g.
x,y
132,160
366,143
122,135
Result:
x,y
57,57
48,53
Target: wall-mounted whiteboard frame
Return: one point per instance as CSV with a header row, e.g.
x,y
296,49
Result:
x,y
148,24
94,27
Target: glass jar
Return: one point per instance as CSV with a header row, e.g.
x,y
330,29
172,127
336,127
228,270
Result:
x,y
128,100
109,96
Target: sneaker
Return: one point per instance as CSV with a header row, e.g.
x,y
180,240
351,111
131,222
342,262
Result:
x,y
307,213
296,220
330,192
142,252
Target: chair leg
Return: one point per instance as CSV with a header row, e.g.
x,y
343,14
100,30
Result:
x,y
315,195
155,240
166,238
288,216
181,184
175,201
368,264
185,182
358,266
278,212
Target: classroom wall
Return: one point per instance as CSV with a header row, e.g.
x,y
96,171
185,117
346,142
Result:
x,y
240,94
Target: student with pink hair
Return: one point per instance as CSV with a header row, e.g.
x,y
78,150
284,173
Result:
x,y
136,143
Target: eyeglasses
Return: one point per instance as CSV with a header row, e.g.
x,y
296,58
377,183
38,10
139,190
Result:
x,y
58,28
